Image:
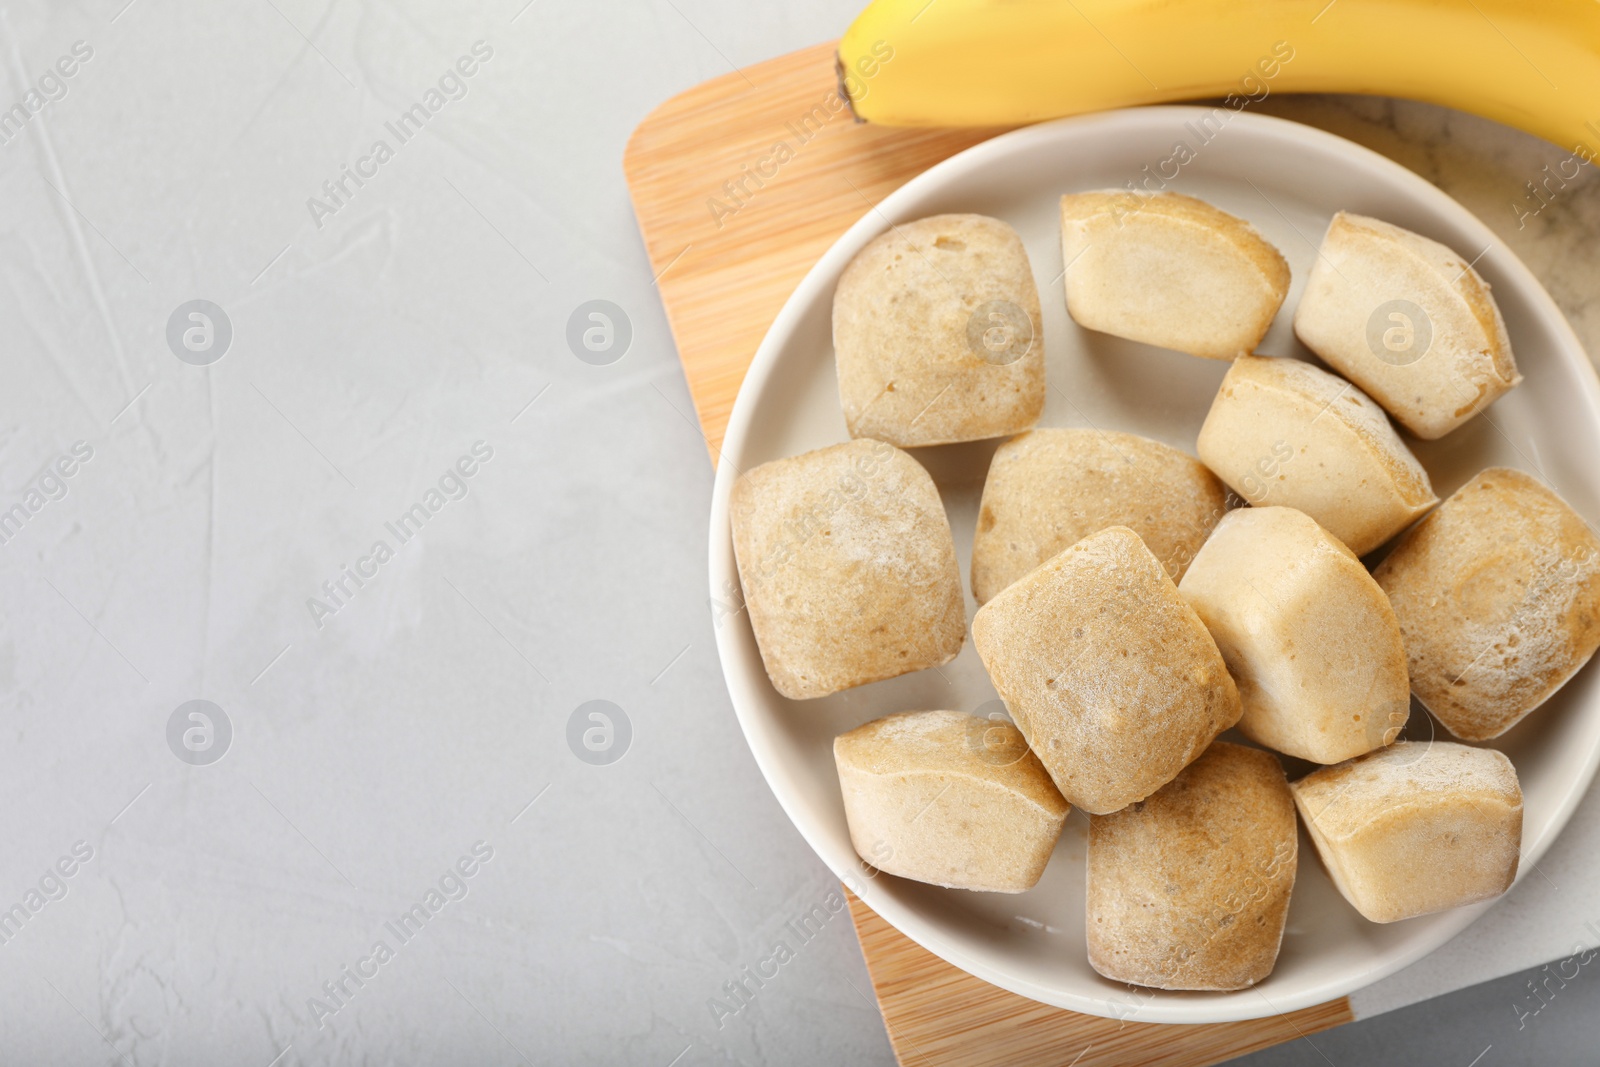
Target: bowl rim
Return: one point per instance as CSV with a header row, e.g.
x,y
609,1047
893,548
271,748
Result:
x,y
739,675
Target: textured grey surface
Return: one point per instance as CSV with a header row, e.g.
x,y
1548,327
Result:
x,y
1543,1017
378,741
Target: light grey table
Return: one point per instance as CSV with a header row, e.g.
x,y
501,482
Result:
x,y
392,749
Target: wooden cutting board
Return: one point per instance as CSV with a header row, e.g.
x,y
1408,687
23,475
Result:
x,y
740,185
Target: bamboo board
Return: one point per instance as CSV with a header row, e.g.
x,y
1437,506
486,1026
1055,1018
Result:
x,y
731,222
939,1016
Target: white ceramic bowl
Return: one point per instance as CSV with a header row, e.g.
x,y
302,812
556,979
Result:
x,y
1288,180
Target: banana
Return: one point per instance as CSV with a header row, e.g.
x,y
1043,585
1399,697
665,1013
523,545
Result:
x,y
1533,64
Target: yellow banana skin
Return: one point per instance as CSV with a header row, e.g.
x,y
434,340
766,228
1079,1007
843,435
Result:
x,y
1533,64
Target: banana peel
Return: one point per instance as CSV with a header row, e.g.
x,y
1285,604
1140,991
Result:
x,y
1532,64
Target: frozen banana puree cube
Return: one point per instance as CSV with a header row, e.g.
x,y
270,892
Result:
x,y
1190,888
1307,634
1415,828
848,568
1498,597
1111,677
937,335
1169,270
1049,489
949,798
1407,320
1281,431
